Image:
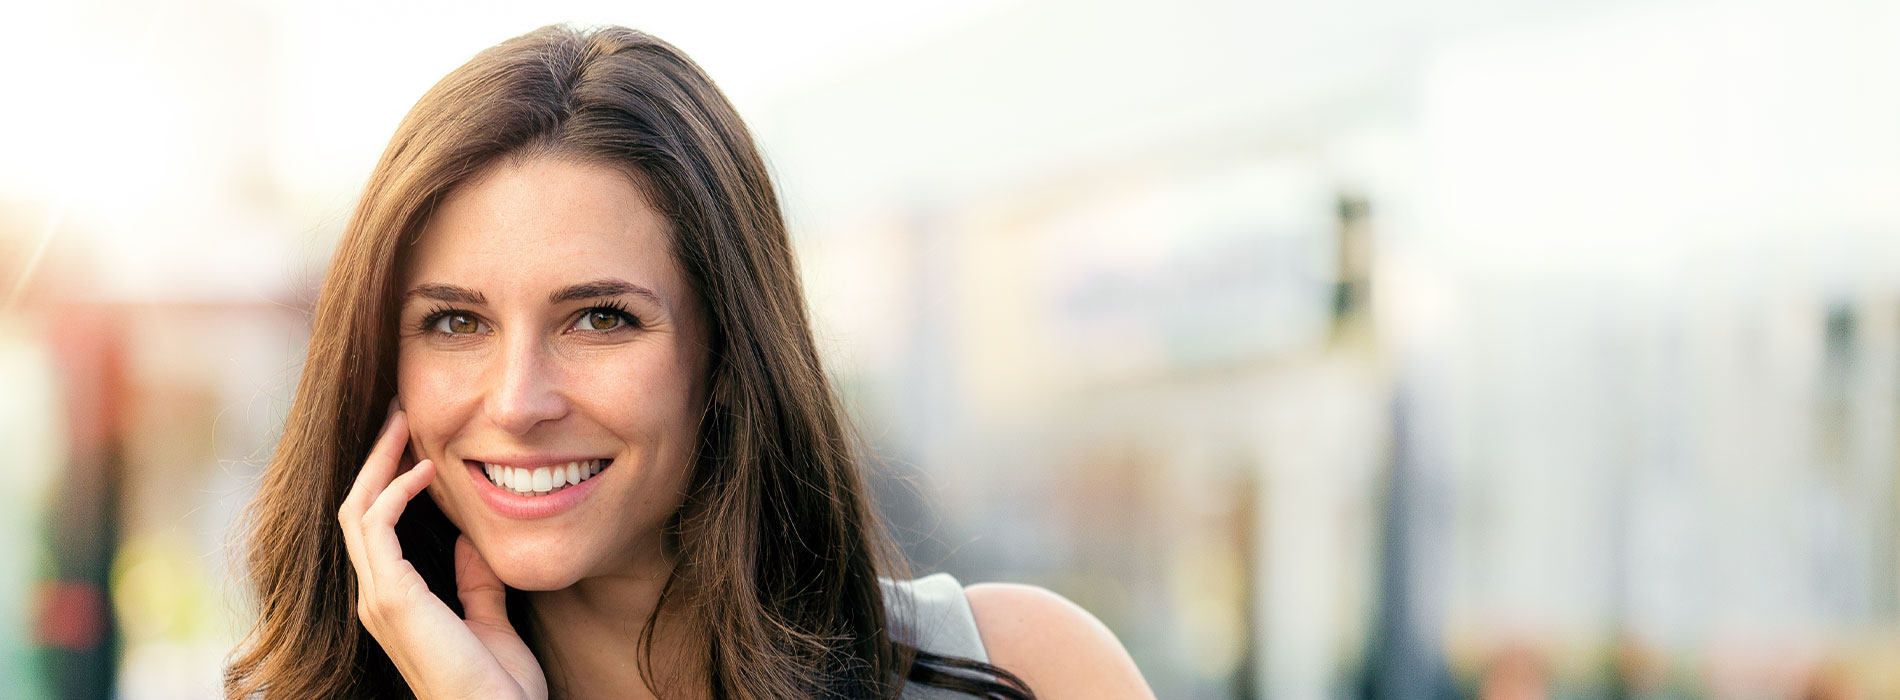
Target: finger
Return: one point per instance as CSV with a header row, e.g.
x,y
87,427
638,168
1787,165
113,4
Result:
x,y
484,598
380,544
350,515
405,452
379,468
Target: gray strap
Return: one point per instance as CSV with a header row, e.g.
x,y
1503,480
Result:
x,y
932,614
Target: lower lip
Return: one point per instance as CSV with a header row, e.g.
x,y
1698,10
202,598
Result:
x,y
519,507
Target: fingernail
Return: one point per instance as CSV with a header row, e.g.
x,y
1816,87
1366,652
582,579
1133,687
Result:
x,y
404,470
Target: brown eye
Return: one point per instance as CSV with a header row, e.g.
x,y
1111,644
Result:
x,y
604,319
600,320
457,324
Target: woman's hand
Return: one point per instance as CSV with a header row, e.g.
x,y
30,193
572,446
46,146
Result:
x,y
443,657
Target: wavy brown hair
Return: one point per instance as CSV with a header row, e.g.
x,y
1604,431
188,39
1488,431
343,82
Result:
x,y
780,551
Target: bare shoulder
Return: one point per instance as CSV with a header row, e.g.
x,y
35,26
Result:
x,y
1054,645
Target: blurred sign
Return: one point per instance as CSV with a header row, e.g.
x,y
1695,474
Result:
x,y
1227,268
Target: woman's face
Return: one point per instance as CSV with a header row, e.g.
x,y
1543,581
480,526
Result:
x,y
548,332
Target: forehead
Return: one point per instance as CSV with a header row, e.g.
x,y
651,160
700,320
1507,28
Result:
x,y
544,223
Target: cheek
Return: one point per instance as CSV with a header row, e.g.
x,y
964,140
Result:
x,y
615,391
436,393
426,386
641,395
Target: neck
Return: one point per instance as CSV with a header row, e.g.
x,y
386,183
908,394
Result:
x,y
592,636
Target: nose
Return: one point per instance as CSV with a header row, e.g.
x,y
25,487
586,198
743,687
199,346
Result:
x,y
525,390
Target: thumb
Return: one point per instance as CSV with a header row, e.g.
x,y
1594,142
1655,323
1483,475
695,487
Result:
x,y
484,598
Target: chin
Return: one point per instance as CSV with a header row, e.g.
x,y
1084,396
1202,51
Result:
x,y
528,567
536,578
523,561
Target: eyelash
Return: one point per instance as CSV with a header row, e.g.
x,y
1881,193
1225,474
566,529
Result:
x,y
437,313
427,324
627,320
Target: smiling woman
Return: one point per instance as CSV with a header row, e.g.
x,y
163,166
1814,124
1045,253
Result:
x,y
520,376
566,310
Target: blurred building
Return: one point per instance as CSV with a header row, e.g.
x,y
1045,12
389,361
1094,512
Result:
x,y
1619,391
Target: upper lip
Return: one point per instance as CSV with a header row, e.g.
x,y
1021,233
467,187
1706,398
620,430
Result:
x,y
536,461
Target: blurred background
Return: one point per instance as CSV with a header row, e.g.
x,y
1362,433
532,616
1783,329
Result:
x,y
1356,349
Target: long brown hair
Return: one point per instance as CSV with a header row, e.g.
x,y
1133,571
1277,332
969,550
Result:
x,y
779,549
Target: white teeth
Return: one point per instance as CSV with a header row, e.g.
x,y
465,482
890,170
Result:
x,y
534,482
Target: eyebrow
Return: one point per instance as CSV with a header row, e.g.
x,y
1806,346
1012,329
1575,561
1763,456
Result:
x,y
601,288
594,289
446,292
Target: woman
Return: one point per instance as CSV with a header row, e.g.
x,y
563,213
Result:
x,y
566,308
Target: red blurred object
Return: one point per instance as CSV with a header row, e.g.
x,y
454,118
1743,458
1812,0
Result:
x,y
70,616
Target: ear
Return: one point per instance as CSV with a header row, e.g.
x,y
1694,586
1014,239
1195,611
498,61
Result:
x,y
723,395
722,399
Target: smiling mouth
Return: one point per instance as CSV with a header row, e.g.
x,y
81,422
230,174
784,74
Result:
x,y
541,481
